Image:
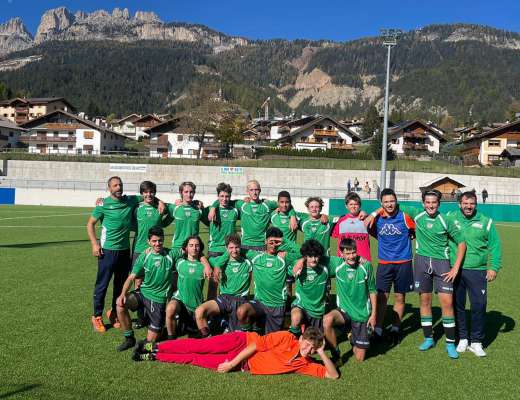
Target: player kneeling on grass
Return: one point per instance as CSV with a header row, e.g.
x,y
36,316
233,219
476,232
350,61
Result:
x,y
356,299
155,266
234,273
311,288
192,270
272,354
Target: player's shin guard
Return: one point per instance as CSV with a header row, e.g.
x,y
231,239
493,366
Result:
x,y
449,328
426,324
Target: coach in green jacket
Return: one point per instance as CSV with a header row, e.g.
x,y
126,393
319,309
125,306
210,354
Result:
x,y
482,243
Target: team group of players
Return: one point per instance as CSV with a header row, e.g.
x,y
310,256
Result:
x,y
451,259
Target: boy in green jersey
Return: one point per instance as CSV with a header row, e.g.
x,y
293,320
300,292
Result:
x,y
186,215
282,219
311,288
312,224
224,223
192,271
113,249
432,270
269,275
155,267
356,300
482,242
255,216
234,272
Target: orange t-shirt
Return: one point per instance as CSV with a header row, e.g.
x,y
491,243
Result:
x,y
278,353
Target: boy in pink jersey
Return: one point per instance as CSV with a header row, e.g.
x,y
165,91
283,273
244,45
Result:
x,y
351,226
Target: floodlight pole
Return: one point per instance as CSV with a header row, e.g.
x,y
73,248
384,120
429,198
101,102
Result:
x,y
390,37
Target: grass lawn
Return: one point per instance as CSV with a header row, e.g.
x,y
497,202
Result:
x,y
49,350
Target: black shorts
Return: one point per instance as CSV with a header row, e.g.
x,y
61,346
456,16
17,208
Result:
x,y
154,313
228,306
186,316
273,317
307,320
398,274
359,331
428,275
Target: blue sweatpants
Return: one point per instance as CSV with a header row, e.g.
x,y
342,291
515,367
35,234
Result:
x,y
116,263
474,284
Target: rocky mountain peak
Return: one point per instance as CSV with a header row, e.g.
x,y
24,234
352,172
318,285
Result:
x,y
145,16
123,14
14,26
53,22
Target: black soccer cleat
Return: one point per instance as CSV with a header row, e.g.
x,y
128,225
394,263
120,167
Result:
x,y
128,343
143,357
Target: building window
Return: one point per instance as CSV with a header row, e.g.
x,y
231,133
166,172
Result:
x,y
70,147
191,152
180,151
180,138
55,146
11,134
493,158
89,135
494,143
71,134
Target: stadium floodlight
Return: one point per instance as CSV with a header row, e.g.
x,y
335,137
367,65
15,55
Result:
x,y
390,37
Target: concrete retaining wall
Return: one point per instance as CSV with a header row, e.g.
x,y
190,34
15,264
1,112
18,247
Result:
x,y
328,183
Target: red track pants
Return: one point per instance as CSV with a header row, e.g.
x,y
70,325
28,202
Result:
x,y
205,353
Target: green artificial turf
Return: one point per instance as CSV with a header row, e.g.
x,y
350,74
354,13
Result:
x,y
49,350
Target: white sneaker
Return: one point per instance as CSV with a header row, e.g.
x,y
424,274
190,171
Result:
x,y
462,346
476,348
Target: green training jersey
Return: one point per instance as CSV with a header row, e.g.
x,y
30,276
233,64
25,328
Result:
x,y
147,217
235,274
282,221
315,229
354,284
190,283
156,270
187,218
254,220
269,276
311,290
481,238
432,233
116,221
225,225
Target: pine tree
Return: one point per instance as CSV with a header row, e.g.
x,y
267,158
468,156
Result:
x,y
371,124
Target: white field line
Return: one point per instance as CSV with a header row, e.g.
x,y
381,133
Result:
x,y
43,216
509,225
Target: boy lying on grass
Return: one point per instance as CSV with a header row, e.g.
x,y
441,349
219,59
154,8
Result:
x,y
275,353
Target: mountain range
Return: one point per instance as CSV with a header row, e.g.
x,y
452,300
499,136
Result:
x,y
114,62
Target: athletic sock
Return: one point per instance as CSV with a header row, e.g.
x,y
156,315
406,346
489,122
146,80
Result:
x,y
426,323
395,328
378,330
449,328
245,327
296,331
128,334
204,332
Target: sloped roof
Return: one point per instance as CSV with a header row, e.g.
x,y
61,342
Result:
x,y
512,151
5,123
38,121
317,121
163,126
493,132
435,181
131,116
400,127
36,100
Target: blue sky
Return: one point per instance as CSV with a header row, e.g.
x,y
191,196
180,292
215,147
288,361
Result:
x,y
290,19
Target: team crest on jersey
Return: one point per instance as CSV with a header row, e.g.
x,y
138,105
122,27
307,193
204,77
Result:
x,y
224,214
269,264
350,276
191,270
311,278
429,225
283,220
314,229
157,263
235,269
187,213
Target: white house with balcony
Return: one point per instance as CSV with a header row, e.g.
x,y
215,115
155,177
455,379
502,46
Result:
x,y
319,133
169,140
414,137
62,133
9,134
